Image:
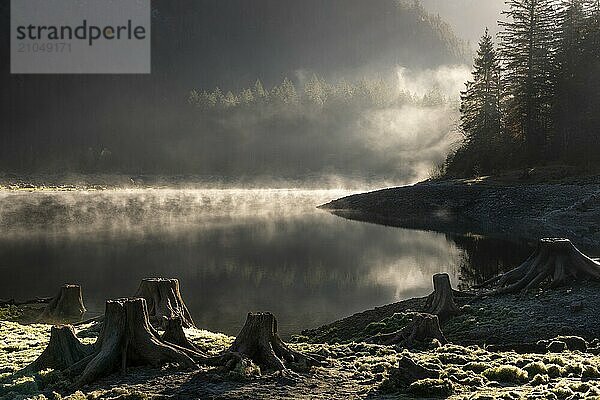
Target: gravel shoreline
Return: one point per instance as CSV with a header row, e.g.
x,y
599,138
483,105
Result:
x,y
569,208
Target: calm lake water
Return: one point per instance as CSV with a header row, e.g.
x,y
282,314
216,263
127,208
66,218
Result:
x,y
233,251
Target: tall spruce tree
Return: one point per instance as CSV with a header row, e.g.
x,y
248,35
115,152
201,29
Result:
x,y
591,90
528,49
571,80
480,107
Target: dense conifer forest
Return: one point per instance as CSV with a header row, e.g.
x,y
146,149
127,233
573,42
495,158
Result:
x,y
534,96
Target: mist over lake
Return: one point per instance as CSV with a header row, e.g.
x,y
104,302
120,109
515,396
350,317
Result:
x,y
233,250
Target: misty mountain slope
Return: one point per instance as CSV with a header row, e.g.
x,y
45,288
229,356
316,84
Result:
x,y
53,122
236,41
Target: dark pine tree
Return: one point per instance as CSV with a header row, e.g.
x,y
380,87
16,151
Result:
x,y
590,92
571,82
480,106
480,114
528,49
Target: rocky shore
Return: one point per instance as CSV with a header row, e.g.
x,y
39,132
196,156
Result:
x,y
507,322
509,209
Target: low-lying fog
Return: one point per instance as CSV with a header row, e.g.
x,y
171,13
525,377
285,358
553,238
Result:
x,y
234,251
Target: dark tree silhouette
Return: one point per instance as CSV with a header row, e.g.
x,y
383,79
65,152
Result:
x,y
571,81
480,114
548,96
528,45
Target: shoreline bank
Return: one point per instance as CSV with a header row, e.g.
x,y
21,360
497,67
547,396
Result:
x,y
568,208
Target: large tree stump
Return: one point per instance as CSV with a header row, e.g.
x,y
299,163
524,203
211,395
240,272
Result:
x,y
67,305
63,350
127,339
441,301
422,330
555,262
259,341
164,301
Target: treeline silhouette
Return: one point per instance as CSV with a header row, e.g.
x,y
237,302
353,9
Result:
x,y
534,97
369,93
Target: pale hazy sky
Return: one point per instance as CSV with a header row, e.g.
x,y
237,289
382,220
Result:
x,y
469,18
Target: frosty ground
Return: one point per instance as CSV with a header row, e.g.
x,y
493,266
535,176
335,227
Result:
x,y
479,364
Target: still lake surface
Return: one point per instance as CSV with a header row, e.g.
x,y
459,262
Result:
x,y
233,250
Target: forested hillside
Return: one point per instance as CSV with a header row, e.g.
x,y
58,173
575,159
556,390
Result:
x,y
139,124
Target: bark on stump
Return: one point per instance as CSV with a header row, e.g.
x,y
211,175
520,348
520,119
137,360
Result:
x,y
259,341
423,329
64,349
67,305
164,301
441,301
174,334
556,262
127,339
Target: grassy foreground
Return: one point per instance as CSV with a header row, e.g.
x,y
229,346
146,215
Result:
x,y
355,370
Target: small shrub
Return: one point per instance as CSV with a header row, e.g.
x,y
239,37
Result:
x,y
556,371
507,374
540,379
562,392
432,388
475,366
374,328
590,372
535,368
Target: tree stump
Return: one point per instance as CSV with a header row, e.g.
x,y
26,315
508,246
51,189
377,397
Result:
x,y
127,339
259,341
164,301
555,262
174,334
63,350
423,329
441,301
67,305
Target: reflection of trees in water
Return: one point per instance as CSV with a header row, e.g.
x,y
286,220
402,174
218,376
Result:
x,y
483,258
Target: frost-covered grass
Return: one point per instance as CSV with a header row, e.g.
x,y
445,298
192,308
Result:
x,y
22,344
464,372
209,342
19,346
471,372
10,313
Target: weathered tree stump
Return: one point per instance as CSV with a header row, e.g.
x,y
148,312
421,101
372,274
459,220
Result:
x,y
63,350
423,329
67,305
555,262
441,301
174,334
259,341
127,339
164,301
